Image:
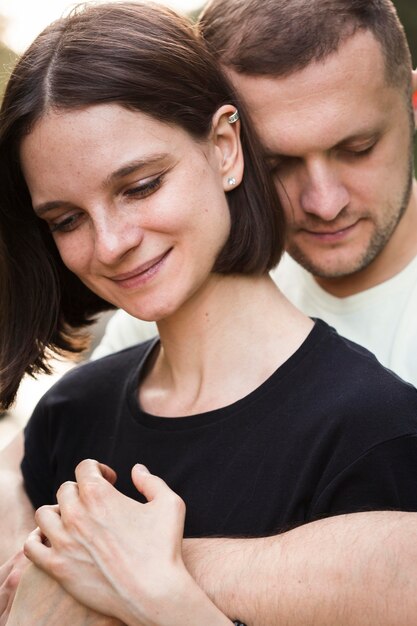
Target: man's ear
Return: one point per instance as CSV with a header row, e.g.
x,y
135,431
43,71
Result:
x,y
414,85
227,145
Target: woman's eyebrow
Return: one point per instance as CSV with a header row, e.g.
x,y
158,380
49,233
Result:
x,y
133,166
43,208
121,172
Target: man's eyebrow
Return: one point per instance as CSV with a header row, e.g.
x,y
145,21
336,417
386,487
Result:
x,y
121,172
363,136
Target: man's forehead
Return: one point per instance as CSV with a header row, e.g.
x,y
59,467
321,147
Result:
x,y
357,58
345,95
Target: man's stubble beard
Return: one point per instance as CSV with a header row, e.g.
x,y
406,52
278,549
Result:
x,y
377,243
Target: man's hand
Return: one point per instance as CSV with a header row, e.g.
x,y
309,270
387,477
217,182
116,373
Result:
x,y
16,511
41,601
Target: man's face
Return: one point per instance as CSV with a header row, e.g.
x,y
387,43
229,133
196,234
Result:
x,y
338,140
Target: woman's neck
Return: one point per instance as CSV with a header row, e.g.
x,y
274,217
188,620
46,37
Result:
x,y
221,346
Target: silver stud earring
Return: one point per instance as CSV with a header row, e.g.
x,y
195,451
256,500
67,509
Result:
x,y
233,117
231,181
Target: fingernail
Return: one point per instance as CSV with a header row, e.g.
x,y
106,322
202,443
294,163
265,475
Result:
x,y
142,468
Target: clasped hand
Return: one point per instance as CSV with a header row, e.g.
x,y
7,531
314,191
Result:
x,y
114,555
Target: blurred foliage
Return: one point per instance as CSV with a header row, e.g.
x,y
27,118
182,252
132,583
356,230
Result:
x,y
194,14
407,12
7,58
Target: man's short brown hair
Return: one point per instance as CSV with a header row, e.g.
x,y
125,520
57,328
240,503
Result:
x,y
279,37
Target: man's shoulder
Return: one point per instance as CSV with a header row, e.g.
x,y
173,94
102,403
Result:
x,y
288,274
123,331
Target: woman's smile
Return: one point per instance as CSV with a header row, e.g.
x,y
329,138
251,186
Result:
x,y
143,273
140,223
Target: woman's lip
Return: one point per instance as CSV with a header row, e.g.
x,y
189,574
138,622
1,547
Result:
x,y
141,269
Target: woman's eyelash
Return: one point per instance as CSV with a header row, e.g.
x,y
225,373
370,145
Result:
x,y
65,225
144,189
141,191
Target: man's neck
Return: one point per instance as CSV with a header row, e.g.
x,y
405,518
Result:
x,y
400,250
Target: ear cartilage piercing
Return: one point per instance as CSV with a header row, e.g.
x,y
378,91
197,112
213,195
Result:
x,y
234,117
231,181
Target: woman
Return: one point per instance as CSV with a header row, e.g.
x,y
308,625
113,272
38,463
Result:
x,y
128,180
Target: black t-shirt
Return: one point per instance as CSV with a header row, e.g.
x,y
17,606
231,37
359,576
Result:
x,y
331,431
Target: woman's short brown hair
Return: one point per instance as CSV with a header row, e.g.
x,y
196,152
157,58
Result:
x,y
143,57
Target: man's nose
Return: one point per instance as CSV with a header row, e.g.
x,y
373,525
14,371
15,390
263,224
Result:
x,y
115,237
323,194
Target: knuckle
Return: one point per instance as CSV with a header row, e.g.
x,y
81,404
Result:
x,y
176,503
13,580
92,491
72,517
68,484
85,463
40,512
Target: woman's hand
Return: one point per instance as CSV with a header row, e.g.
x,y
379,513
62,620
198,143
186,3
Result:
x,y
118,556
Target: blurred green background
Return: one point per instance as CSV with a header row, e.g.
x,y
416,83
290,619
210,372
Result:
x,y
407,11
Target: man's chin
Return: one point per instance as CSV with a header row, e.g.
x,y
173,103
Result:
x,y
331,268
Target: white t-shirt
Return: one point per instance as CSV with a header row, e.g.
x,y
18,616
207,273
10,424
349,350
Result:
x,y
383,318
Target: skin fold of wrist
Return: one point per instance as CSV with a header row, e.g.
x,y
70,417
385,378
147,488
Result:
x,y
178,602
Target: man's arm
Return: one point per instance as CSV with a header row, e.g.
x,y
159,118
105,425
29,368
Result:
x,y
16,511
16,521
358,569
350,570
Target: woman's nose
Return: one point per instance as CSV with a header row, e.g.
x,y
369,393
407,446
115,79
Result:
x,y
115,237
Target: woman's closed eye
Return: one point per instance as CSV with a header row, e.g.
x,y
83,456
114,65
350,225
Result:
x,y
71,221
66,223
144,189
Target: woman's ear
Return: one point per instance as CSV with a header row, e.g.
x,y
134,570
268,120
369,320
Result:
x,y
414,85
227,145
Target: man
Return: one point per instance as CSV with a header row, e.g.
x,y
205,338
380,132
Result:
x,y
337,130
357,569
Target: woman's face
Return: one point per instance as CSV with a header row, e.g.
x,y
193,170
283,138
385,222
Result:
x,y
136,207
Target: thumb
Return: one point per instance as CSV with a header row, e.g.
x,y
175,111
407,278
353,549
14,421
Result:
x,y
148,484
